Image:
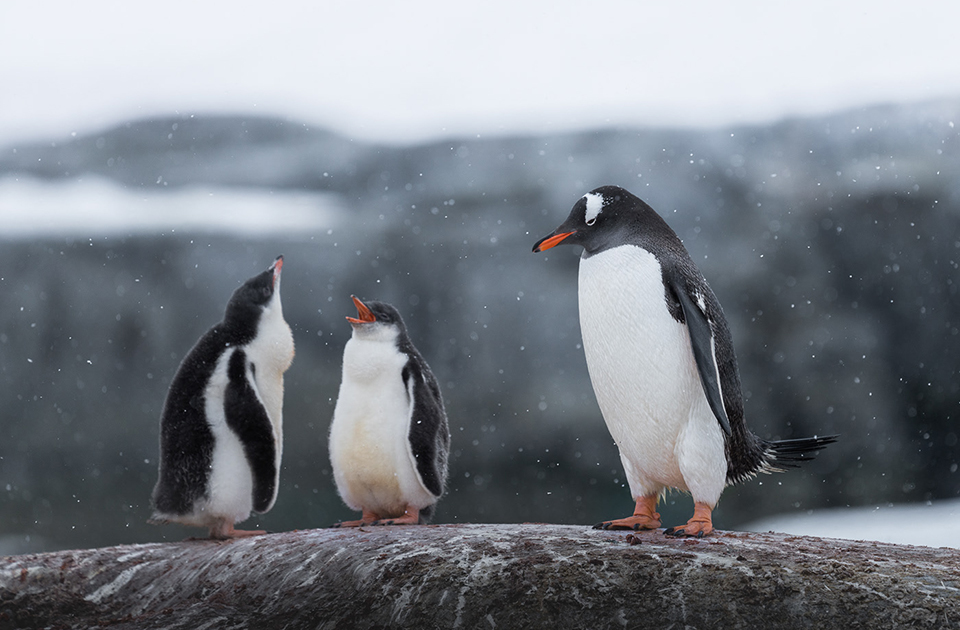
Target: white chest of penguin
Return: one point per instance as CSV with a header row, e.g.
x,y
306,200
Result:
x,y
271,353
633,344
369,445
629,336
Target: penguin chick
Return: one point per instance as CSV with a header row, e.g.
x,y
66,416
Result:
x,y
221,428
661,361
389,438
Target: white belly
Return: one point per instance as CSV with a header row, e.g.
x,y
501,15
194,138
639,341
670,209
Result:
x,y
370,451
644,376
230,485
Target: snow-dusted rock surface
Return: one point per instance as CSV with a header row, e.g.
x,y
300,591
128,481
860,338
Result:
x,y
486,576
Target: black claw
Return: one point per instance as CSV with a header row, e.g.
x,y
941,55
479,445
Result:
x,y
636,527
335,525
700,534
598,526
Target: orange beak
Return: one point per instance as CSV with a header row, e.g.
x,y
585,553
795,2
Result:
x,y
364,316
551,241
277,267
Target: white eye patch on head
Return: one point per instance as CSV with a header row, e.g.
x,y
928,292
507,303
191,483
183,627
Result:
x,y
594,206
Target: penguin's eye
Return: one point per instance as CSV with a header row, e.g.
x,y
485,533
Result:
x,y
591,220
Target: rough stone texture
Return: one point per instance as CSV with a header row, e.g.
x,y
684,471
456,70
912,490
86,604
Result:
x,y
486,576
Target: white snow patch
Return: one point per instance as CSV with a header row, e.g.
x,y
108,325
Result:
x,y
108,590
96,207
928,525
130,556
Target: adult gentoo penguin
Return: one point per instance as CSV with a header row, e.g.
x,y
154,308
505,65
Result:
x,y
661,362
221,428
389,437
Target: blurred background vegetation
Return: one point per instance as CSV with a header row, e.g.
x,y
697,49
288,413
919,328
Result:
x,y
833,244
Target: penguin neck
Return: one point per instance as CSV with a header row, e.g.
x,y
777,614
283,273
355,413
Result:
x,y
646,230
377,333
274,335
242,324
271,351
373,353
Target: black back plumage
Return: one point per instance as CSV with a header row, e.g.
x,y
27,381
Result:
x,y
186,440
429,433
627,220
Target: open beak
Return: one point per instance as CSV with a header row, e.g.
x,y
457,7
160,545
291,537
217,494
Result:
x,y
547,242
364,316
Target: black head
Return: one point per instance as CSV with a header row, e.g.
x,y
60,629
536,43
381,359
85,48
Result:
x,y
253,296
606,217
374,314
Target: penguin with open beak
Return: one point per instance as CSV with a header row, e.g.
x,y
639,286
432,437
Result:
x,y
389,439
661,361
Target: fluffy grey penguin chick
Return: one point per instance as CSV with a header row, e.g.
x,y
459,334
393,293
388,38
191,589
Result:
x,y
661,361
389,438
221,432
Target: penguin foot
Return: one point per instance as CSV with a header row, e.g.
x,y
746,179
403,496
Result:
x,y
358,523
224,530
411,516
645,516
368,518
700,525
634,523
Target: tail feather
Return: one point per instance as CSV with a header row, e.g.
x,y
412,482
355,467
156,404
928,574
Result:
x,y
760,456
791,453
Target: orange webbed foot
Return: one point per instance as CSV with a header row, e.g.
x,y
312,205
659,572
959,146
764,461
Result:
x,y
645,516
368,518
357,523
224,530
411,516
634,523
700,525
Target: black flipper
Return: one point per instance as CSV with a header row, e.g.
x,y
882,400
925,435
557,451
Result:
x,y
701,338
249,420
429,434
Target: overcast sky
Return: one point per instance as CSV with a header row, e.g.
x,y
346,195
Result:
x,y
410,70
